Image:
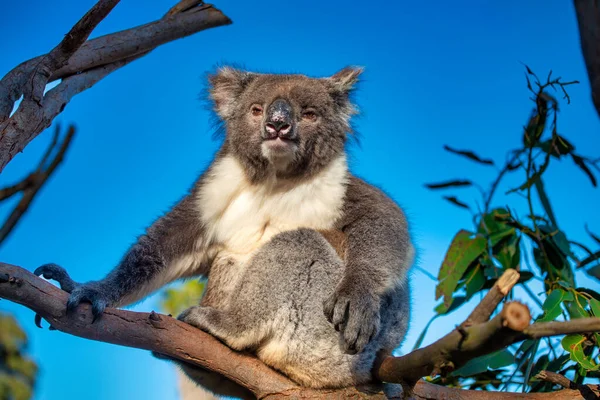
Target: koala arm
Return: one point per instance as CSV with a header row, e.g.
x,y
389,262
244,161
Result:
x,y
163,254
378,256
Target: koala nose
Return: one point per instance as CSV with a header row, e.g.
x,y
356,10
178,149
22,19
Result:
x,y
279,120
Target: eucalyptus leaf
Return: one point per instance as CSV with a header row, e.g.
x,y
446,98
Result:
x,y
464,250
499,359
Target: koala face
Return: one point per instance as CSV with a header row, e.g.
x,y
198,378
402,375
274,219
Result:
x,y
284,125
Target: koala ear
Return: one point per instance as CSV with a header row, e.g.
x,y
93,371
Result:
x,y
344,80
225,86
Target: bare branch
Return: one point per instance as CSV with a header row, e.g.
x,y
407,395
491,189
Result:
x,y
50,148
35,181
588,18
586,391
36,83
96,59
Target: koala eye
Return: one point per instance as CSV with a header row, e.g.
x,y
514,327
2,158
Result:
x,y
309,115
256,110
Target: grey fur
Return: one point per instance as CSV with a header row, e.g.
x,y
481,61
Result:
x,y
314,309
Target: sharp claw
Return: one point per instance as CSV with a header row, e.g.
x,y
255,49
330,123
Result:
x,y
97,310
72,305
38,320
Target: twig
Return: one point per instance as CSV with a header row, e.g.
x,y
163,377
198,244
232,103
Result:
x,y
586,391
35,181
496,294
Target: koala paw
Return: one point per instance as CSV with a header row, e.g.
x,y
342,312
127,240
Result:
x,y
91,294
355,313
79,292
58,274
196,316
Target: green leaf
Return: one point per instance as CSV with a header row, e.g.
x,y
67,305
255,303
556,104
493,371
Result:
x,y
525,276
588,260
574,345
594,272
422,335
552,305
589,291
509,254
456,302
576,306
557,146
494,221
457,202
499,359
595,307
470,155
474,281
595,237
443,185
581,164
539,187
463,251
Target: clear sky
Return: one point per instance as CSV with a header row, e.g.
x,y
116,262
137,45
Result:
x,y
436,73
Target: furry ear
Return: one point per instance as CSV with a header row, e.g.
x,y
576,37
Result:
x,y
225,86
341,85
344,80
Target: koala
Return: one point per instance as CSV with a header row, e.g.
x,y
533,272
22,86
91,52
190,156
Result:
x,y
306,264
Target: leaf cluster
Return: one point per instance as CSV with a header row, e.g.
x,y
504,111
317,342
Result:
x,y
533,244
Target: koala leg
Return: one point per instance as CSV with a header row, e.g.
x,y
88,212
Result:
x,y
229,327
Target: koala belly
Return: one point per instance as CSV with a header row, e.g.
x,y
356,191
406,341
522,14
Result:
x,y
275,300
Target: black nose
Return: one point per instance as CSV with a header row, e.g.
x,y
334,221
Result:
x,y
279,121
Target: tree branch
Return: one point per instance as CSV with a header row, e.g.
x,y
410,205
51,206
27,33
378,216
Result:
x,y
586,391
471,340
166,335
31,185
588,18
483,311
84,66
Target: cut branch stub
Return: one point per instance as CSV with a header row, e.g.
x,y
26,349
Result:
x,y
516,316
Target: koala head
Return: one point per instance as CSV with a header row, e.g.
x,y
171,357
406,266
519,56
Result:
x,y
289,126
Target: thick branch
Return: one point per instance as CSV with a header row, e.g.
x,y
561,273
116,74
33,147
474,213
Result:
x,y
58,57
96,58
458,347
476,337
588,18
166,335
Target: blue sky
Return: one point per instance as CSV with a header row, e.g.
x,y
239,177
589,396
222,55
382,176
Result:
x,y
443,73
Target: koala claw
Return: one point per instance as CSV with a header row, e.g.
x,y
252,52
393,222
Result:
x,y
57,273
91,295
355,314
79,292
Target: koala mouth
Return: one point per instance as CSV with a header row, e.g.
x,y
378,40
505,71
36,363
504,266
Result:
x,y
279,144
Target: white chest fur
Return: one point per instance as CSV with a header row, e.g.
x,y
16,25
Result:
x,y
240,217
